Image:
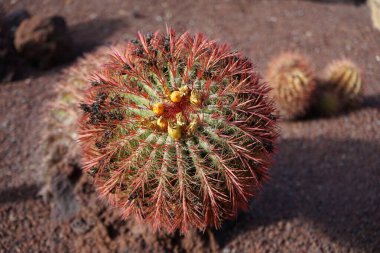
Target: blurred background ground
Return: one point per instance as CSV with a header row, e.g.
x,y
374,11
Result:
x,y
324,194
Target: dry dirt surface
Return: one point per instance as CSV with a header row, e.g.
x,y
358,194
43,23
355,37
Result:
x,y
324,192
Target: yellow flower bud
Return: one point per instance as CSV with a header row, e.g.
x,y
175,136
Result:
x,y
195,98
162,123
184,90
192,126
181,120
166,90
176,96
150,124
158,108
175,132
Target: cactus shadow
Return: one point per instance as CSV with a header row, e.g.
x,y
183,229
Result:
x,y
356,2
332,184
370,101
18,194
88,35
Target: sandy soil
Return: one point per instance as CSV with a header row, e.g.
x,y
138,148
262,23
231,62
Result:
x,y
324,194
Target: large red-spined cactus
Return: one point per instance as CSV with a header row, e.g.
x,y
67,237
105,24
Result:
x,y
177,131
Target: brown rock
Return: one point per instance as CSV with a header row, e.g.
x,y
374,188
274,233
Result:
x,y
44,41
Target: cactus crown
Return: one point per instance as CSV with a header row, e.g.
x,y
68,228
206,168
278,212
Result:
x,y
177,131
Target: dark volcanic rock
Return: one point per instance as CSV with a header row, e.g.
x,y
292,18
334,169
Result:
x,y
44,41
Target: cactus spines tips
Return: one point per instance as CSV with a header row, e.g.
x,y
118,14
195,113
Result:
x,y
293,81
197,160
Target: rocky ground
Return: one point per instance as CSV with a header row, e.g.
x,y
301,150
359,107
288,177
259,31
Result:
x,y
324,192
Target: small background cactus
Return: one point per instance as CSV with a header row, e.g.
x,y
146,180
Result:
x,y
293,81
177,131
60,144
340,88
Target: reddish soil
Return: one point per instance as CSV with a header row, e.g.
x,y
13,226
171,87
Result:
x,y
324,194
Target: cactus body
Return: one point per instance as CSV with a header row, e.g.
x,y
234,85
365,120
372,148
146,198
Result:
x,y
292,79
60,142
197,160
342,83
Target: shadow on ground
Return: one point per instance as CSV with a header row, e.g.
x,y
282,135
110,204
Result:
x,y
333,183
18,194
371,101
88,35
356,2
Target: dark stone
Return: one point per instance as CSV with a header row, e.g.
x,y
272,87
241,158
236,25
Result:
x,y
44,41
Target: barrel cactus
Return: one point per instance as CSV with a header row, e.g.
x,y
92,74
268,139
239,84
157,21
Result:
x,y
59,144
293,81
177,131
341,87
